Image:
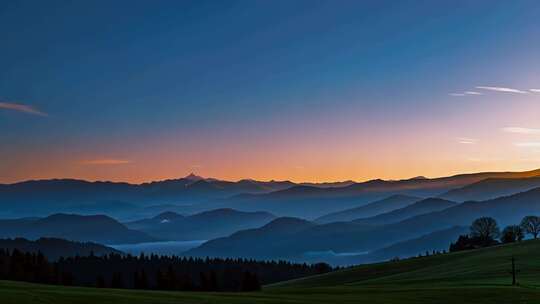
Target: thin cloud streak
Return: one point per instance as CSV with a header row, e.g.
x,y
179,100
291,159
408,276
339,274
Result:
x,y
501,89
105,162
467,93
22,108
520,130
466,141
535,90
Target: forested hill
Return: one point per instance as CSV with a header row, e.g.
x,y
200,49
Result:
x,y
151,272
53,248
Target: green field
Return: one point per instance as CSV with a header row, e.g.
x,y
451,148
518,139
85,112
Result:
x,y
479,276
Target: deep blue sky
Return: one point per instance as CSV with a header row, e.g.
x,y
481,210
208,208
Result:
x,y
308,90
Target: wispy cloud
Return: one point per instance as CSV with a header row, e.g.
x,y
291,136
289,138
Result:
x,y
467,93
502,89
520,130
530,144
105,162
535,90
466,140
21,108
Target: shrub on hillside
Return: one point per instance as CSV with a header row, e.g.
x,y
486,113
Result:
x,y
511,234
466,242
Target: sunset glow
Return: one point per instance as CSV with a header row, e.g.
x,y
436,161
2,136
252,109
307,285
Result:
x,y
342,97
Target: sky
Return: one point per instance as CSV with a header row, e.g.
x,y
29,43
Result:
x,y
299,90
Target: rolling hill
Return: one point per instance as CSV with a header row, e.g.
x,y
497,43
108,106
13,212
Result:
x,y
262,242
438,240
492,188
506,210
202,226
381,206
95,228
424,206
356,238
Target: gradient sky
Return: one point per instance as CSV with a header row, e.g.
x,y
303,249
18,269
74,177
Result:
x,y
300,90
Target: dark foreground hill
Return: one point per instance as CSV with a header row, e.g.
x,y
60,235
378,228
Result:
x,y
95,228
53,248
477,276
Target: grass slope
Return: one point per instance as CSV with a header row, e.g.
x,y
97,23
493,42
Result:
x,y
479,276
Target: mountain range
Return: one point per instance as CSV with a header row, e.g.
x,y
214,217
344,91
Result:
x,y
42,197
314,202
294,238
196,194
340,222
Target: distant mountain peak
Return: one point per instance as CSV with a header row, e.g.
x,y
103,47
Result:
x,y
377,182
247,181
194,177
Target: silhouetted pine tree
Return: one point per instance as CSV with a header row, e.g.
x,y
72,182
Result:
x,y
161,283
250,282
212,282
117,280
100,281
66,278
170,278
203,282
143,280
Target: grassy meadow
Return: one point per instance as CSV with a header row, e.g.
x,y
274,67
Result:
x,y
478,276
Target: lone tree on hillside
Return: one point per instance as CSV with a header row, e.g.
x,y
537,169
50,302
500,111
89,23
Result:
x,y
511,234
485,228
531,225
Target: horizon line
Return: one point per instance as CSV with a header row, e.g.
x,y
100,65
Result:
x,y
264,180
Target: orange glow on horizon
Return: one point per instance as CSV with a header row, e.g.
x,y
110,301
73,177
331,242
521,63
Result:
x,y
447,142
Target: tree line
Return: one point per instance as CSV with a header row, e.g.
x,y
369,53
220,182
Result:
x,y
485,232
151,271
